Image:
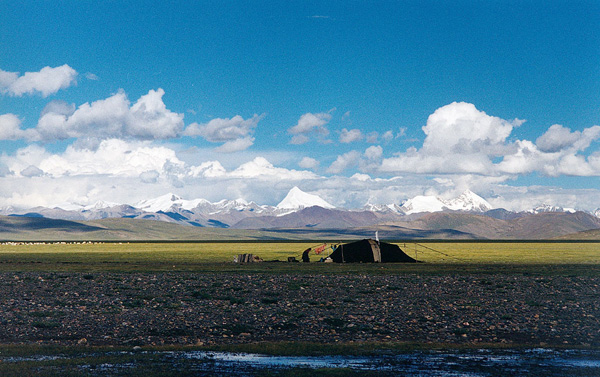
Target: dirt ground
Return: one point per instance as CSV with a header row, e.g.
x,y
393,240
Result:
x,y
224,308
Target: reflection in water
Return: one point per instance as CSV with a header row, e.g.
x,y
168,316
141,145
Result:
x,y
443,363
482,362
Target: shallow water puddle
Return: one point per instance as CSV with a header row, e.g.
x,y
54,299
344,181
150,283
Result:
x,y
446,363
482,362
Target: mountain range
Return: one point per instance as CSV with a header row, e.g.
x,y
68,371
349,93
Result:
x,y
467,216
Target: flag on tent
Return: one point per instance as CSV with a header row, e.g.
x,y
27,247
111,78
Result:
x,y
320,249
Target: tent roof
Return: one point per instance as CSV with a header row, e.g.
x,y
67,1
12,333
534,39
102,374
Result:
x,y
369,250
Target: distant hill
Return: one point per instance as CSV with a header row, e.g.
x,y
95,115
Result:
x,y
311,217
587,235
31,229
311,223
544,225
20,224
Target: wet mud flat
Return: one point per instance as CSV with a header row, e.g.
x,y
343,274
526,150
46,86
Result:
x,y
206,309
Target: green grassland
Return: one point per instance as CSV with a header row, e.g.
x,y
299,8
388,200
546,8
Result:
x,y
208,256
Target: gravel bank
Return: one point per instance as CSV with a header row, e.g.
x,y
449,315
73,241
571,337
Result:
x,y
206,308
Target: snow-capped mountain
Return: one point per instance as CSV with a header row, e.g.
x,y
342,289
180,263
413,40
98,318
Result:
x,y
550,208
298,199
468,201
297,209
422,203
393,208
166,203
101,204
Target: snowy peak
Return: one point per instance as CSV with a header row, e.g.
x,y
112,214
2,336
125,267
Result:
x,y
422,203
550,208
101,204
298,199
468,201
393,208
162,203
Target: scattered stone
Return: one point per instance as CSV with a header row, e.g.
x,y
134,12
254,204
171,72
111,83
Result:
x,y
203,308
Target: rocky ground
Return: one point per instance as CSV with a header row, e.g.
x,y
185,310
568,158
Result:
x,y
209,308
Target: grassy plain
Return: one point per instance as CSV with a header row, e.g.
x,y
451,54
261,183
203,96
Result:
x,y
208,256
444,258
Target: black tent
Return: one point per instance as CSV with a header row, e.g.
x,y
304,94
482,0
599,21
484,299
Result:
x,y
369,251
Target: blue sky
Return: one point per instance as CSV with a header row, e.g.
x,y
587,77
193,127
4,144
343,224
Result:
x,y
323,95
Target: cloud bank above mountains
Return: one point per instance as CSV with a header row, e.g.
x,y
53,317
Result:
x,y
121,150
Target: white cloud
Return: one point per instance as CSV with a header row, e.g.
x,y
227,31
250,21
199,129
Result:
x,y
558,138
235,133
112,117
308,163
309,124
461,128
236,145
91,76
149,118
344,162
23,158
223,129
388,136
372,137
47,81
112,158
299,139
374,152
261,168
10,127
150,176
459,139
555,153
371,158
59,107
210,169
32,171
350,136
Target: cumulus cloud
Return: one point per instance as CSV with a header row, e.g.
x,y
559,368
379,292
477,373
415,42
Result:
x,y
308,125
236,145
374,152
371,159
372,137
260,167
388,136
113,158
46,82
459,139
235,133
460,127
4,170
59,107
308,163
344,162
113,117
32,171
209,169
559,138
10,127
463,140
350,136
150,176
555,153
